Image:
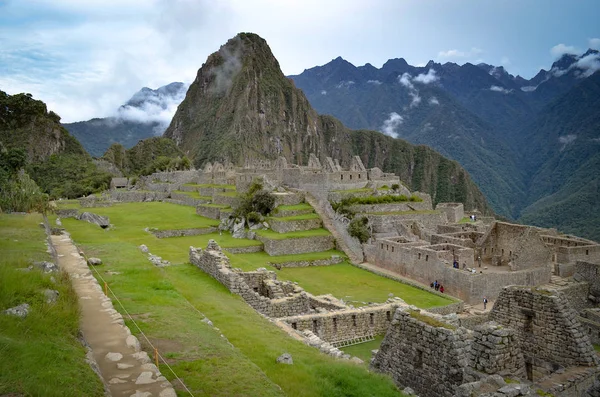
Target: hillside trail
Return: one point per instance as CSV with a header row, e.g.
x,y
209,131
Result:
x,y
125,369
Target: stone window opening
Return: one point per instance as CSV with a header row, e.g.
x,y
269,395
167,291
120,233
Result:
x,y
528,325
426,258
334,325
529,371
387,247
392,248
354,320
358,176
371,318
587,252
419,359
502,251
382,246
350,176
315,326
255,289
388,315
419,255
342,177
294,325
485,250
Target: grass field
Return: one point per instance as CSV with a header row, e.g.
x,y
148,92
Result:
x,y
195,195
282,236
167,303
363,350
41,355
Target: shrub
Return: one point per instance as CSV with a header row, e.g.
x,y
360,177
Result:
x,y
395,187
358,228
253,217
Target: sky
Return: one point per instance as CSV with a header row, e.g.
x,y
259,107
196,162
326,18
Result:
x,y
85,58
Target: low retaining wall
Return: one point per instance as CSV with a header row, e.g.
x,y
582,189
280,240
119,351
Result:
x,y
70,213
392,207
244,250
137,196
183,232
283,213
300,245
347,324
288,198
334,260
383,223
294,225
230,201
209,211
188,200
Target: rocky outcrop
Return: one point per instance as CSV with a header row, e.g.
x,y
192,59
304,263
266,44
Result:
x,y
90,217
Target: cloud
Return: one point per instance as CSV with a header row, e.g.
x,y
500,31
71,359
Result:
x,y
391,124
152,106
376,82
405,80
345,84
528,88
594,43
500,89
474,52
589,64
323,92
428,78
566,139
433,101
561,49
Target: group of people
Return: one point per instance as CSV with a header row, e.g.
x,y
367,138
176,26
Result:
x,y
473,218
437,286
456,266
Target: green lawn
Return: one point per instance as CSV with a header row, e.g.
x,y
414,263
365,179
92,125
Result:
x,y
282,236
296,217
215,205
250,262
363,350
67,204
164,302
159,215
358,286
301,206
404,212
597,348
41,355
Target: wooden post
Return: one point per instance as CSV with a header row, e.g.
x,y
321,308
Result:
x,y
156,356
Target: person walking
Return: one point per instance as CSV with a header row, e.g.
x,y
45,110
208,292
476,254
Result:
x,y
485,301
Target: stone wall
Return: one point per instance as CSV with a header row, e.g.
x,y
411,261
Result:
x,y
189,200
209,211
286,226
285,213
165,187
387,222
431,359
495,350
425,266
392,207
288,198
301,245
346,325
244,250
67,213
334,260
589,253
454,211
551,335
178,177
590,273
230,201
130,196
183,232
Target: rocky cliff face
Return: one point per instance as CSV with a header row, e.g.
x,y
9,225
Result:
x,y
241,107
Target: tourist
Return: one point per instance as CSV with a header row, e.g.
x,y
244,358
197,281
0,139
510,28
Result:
x,y
431,285
437,285
485,301
442,289
479,260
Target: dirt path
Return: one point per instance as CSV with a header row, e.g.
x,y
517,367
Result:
x,y
126,369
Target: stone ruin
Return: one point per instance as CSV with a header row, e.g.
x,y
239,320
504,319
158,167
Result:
x,y
533,338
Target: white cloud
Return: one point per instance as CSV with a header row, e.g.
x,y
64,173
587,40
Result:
x,y
561,49
566,139
416,99
589,64
428,78
594,43
528,88
391,124
376,82
474,52
434,101
500,89
345,84
405,80
323,92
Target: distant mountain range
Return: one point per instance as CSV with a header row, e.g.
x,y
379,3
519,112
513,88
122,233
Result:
x,y
146,114
531,145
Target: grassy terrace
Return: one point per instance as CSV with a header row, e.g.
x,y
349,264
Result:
x,y
296,218
358,286
404,212
250,262
229,187
215,205
195,195
301,206
167,304
67,204
41,353
363,350
282,236
228,194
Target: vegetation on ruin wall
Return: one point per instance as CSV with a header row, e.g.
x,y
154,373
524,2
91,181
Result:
x,y
164,302
430,320
387,199
358,228
41,353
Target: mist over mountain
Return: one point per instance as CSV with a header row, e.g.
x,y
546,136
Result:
x,y
147,114
512,134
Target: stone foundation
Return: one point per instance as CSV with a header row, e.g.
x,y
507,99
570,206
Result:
x,y
291,246
183,232
294,225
